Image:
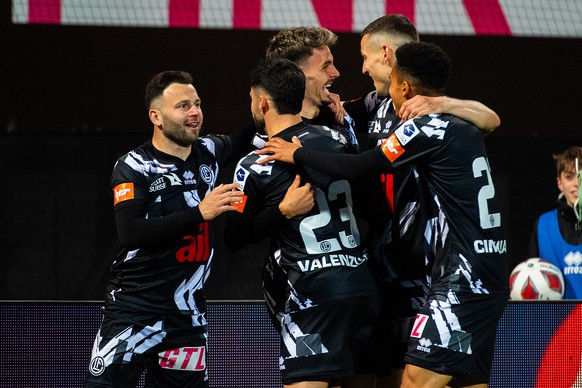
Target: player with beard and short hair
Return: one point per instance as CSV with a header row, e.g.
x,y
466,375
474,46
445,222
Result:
x,y
320,293
164,199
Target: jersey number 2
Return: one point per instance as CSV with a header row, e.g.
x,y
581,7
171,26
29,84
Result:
x,y
487,219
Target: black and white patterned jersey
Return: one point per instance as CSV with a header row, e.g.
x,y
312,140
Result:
x,y
391,205
463,229
346,130
373,115
465,246
318,256
167,276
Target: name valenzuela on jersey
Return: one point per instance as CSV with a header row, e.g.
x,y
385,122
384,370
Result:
x,y
331,261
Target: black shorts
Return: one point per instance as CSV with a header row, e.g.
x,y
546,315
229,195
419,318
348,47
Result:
x,y
166,345
454,334
324,342
400,303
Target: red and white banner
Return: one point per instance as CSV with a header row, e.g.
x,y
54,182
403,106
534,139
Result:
x,y
556,18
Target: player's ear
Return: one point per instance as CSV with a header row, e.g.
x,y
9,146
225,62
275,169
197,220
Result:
x,y
559,183
406,89
387,53
263,103
155,117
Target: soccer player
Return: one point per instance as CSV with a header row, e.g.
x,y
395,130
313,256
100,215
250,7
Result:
x,y
452,338
310,49
391,208
557,234
321,295
164,197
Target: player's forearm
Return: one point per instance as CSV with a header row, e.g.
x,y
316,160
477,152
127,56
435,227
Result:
x,y
348,166
135,231
479,114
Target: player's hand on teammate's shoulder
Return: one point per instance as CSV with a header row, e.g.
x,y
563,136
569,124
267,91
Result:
x,y
219,201
421,106
279,149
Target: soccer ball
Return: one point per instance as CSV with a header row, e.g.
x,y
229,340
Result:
x,y
536,279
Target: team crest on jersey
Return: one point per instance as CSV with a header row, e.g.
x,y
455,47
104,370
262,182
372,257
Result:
x,y
206,174
392,148
406,132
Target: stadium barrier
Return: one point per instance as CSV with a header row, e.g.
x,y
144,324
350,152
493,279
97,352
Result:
x,y
48,344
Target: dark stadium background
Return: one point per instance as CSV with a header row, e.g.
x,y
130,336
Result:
x,y
71,102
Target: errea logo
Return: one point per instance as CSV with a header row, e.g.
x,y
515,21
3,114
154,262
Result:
x,y
424,345
189,178
573,261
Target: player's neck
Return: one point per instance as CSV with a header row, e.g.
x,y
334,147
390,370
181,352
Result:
x,y
280,123
309,111
161,143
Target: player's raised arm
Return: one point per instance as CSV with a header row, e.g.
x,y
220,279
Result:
x,y
479,114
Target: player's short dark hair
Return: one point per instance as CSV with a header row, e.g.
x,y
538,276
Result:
x,y
297,44
395,25
161,81
426,66
283,81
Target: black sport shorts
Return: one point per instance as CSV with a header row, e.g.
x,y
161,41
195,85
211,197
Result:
x,y
454,334
323,342
166,345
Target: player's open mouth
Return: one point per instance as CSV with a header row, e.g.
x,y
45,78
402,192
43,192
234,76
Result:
x,y
192,125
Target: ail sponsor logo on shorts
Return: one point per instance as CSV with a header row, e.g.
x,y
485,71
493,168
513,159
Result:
x,y
192,358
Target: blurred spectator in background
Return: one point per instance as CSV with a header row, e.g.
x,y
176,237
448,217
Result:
x,y
557,234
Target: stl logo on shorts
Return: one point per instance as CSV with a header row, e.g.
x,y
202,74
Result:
x,y
391,148
191,358
123,192
419,325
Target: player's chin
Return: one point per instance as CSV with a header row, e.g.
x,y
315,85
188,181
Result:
x,y
191,137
